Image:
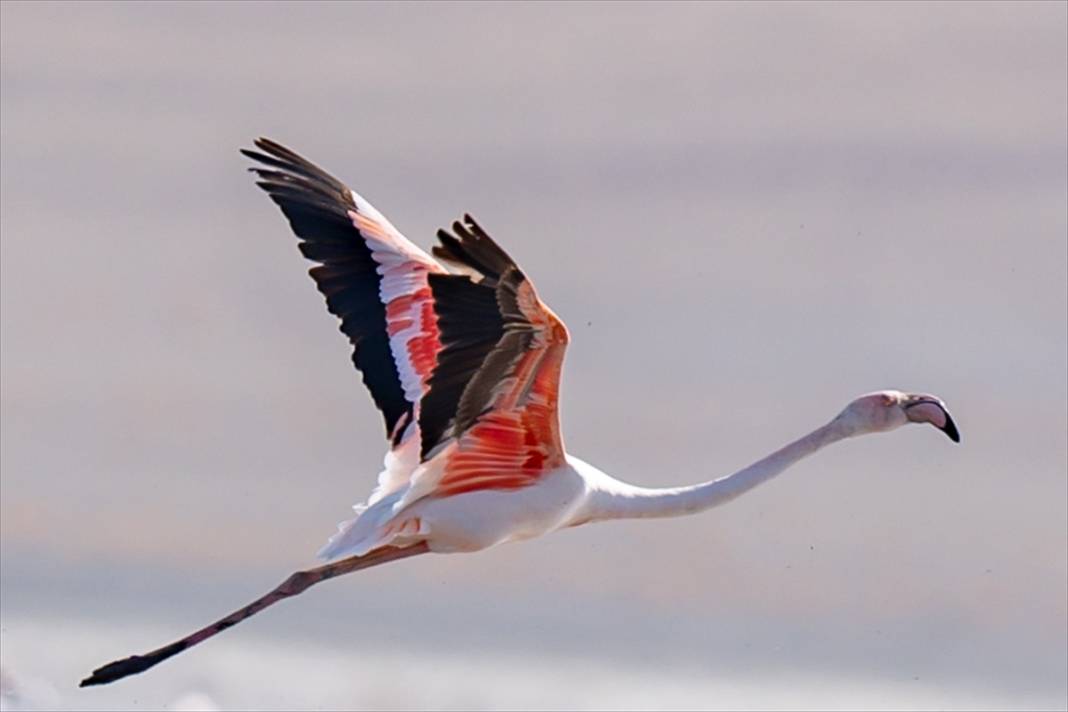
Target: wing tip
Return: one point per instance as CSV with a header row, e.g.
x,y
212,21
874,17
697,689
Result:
x,y
264,144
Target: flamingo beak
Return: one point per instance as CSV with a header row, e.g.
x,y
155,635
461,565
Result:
x,y
950,429
929,410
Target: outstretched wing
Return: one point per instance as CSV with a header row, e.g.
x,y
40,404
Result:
x,y
490,416
374,279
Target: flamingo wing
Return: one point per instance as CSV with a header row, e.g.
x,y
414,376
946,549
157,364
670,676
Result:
x,y
459,354
490,417
373,278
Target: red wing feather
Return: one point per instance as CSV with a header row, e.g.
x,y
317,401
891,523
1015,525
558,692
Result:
x,y
491,413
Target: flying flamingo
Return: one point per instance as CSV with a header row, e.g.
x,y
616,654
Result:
x,y
463,359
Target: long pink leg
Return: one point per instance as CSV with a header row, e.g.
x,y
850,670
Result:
x,y
292,586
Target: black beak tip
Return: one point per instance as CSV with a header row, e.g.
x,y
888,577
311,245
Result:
x,y
950,429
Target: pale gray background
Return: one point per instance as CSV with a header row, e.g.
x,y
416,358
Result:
x,y
747,214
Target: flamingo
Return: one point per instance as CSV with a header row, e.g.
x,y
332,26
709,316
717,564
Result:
x,y
463,359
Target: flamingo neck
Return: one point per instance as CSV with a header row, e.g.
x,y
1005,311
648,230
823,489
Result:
x,y
612,499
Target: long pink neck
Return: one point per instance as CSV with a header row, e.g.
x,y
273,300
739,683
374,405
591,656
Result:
x,y
612,499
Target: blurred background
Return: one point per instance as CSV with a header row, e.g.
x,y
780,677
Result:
x,y
747,214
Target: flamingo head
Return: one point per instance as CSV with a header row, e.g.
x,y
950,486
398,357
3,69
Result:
x,y
886,410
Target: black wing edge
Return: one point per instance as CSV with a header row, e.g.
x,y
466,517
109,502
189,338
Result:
x,y
317,206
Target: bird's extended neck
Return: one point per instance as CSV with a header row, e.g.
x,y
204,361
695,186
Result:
x,y
612,499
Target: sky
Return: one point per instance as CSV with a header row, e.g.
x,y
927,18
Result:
x,y
747,214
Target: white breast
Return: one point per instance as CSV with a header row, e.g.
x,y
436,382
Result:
x,y
481,519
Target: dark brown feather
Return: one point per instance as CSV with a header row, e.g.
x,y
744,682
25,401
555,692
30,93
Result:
x,y
317,206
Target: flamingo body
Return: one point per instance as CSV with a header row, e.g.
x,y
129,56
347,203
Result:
x,y
469,521
483,518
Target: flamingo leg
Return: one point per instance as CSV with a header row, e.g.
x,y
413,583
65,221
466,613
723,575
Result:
x,y
297,583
